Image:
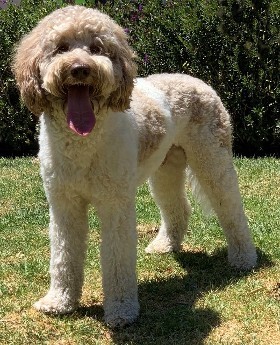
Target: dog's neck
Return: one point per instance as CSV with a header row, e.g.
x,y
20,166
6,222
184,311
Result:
x,y
56,134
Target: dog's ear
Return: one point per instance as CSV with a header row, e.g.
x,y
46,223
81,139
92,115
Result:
x,y
25,66
120,99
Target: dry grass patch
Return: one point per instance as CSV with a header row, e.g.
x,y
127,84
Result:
x,y
235,332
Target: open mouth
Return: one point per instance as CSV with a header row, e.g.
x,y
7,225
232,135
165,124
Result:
x,y
80,113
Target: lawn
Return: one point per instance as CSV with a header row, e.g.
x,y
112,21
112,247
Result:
x,y
192,297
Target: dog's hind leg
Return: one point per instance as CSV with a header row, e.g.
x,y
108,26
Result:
x,y
168,189
209,155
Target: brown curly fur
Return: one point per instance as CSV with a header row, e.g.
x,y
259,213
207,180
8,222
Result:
x,y
39,67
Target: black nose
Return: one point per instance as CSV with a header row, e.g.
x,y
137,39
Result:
x,y
80,71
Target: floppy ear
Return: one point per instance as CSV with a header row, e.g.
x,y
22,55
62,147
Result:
x,y
25,66
120,99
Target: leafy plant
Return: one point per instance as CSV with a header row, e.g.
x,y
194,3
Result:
x,y
17,125
231,44
242,63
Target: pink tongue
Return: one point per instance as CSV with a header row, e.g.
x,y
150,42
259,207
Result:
x,y
80,115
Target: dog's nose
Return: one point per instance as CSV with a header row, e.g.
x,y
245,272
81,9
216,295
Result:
x,y
80,71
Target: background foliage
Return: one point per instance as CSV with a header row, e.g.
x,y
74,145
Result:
x,y
232,44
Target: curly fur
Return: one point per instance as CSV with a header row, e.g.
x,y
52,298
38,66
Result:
x,y
154,128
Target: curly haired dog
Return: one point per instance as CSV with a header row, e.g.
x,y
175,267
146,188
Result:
x,y
102,134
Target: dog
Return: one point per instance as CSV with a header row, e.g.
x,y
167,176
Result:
x,y
103,132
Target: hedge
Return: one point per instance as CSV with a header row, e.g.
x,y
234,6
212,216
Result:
x,y
231,44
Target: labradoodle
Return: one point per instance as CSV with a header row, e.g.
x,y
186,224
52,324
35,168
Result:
x,y
103,133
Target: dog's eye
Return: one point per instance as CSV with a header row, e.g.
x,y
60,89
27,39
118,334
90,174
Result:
x,y
62,48
95,49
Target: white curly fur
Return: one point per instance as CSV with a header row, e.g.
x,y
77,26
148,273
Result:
x,y
155,130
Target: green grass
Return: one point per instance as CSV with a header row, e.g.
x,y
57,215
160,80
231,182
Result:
x,y
193,297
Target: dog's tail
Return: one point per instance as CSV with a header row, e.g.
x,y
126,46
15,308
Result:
x,y
199,193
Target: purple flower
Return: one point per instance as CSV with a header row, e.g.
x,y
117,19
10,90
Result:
x,y
146,58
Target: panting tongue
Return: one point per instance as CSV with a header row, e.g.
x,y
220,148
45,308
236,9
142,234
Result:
x,y
80,115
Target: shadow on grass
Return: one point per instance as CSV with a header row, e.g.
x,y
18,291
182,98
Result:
x,y
168,307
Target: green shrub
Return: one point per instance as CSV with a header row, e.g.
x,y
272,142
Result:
x,y
17,125
231,44
242,62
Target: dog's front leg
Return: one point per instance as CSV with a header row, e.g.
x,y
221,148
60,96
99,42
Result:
x,y
68,237
118,260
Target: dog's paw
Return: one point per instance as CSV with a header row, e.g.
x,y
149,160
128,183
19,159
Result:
x,y
120,314
244,259
162,245
51,304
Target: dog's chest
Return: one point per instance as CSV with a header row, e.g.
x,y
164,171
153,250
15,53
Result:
x,y
90,168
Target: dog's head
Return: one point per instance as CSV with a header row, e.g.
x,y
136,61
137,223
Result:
x,y
79,58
